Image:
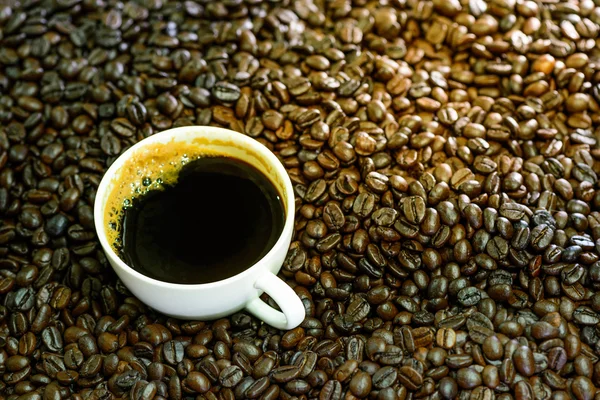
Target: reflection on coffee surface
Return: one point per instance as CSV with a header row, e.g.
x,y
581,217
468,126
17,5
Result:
x,y
220,217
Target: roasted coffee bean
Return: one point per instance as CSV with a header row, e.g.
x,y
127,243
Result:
x,y
173,352
230,376
225,91
196,382
410,378
469,296
384,377
52,338
468,378
524,361
331,390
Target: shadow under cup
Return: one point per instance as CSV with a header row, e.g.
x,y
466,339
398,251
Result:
x,y
149,158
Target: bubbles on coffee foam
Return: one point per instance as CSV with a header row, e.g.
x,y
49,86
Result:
x,y
152,169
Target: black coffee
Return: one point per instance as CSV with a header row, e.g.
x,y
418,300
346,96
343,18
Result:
x,y
221,217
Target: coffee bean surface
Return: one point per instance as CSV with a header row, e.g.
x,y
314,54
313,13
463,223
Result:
x,y
444,156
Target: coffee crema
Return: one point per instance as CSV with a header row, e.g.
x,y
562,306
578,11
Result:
x,y
160,164
182,214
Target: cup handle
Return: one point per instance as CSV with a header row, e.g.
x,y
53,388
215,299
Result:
x,y
289,302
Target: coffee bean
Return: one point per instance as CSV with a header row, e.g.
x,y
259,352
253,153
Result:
x,y
557,358
67,377
524,361
91,366
384,377
469,296
52,339
230,376
259,387
409,377
448,388
582,387
585,316
127,380
446,338
332,390
414,209
541,236
197,382
173,352
468,378
226,92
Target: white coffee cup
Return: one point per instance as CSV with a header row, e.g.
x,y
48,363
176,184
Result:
x,y
221,298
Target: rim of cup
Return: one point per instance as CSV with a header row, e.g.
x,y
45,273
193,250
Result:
x,y
257,149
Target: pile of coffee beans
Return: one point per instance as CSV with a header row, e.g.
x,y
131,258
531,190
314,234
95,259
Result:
x,y
445,160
